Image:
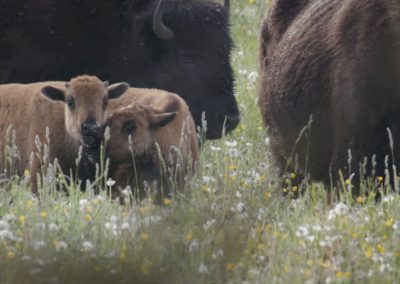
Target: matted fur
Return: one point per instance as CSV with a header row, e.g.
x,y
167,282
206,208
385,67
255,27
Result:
x,y
338,61
177,140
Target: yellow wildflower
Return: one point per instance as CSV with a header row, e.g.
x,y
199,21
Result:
x,y
292,175
295,188
360,200
167,201
144,236
380,248
43,214
88,218
189,237
230,266
380,179
267,195
368,253
389,222
11,254
22,219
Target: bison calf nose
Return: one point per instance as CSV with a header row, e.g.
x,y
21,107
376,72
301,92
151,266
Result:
x,y
90,129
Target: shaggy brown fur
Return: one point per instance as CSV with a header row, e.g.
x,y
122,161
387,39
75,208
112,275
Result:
x,y
61,107
338,61
150,117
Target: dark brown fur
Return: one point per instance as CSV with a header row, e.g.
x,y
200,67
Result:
x,y
159,117
26,110
338,61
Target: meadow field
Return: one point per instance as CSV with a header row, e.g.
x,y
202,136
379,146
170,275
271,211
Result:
x,y
236,222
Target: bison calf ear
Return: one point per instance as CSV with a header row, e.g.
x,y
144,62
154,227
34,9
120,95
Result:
x,y
162,119
53,93
116,90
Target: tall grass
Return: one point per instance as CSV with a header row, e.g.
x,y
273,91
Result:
x,y
232,225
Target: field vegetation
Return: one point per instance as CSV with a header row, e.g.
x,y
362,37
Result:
x,y
236,222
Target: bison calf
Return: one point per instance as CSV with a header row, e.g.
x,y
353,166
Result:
x,y
152,138
337,61
73,112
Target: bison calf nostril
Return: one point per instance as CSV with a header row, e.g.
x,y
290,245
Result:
x,y
92,129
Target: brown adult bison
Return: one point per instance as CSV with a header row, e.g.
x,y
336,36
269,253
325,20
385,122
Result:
x,y
339,62
73,112
152,138
182,46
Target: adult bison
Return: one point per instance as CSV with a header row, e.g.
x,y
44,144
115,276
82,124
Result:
x,y
182,46
339,62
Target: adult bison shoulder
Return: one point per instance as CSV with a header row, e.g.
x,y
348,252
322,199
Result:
x,y
182,46
339,62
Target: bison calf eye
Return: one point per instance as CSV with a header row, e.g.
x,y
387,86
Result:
x,y
105,102
129,127
71,103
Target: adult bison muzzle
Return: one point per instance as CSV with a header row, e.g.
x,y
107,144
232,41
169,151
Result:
x,y
182,46
338,61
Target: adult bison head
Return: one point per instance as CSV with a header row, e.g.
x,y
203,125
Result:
x,y
189,47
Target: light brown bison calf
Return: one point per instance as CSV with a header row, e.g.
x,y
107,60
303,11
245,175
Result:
x,y
339,62
73,112
152,138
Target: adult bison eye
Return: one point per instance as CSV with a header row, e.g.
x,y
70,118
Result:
x,y
129,127
71,103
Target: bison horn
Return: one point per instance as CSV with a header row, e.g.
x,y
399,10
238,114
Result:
x,y
159,28
227,4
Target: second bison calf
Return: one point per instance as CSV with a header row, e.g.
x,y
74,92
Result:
x,y
152,139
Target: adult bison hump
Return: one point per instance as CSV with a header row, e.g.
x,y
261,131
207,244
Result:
x,y
182,46
330,84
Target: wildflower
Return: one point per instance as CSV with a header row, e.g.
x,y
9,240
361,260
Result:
x,y
233,153
340,209
6,234
125,226
4,225
230,266
368,253
215,148
208,179
144,236
267,195
39,244
380,179
253,75
29,203
43,214
388,199
231,144
360,200
205,188
295,188
232,167
26,173
22,219
167,201
389,222
203,269
267,141
53,227
10,254
87,246
113,219
88,218
59,246
380,249
189,237
292,176
110,182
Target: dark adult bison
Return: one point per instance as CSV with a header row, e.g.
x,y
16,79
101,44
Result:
x,y
182,46
339,62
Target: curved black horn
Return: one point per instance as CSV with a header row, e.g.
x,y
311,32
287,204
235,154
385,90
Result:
x,y
227,4
159,28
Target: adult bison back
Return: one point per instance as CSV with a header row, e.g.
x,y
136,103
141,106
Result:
x,y
182,46
335,66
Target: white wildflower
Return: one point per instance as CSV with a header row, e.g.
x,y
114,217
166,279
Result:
x,y
340,209
10,217
193,245
302,231
125,226
388,199
53,227
87,246
267,141
203,269
113,219
6,234
231,144
208,179
39,244
110,182
61,245
253,76
233,152
215,148
4,225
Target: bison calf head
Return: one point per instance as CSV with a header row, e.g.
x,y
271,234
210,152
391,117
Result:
x,y
86,99
131,131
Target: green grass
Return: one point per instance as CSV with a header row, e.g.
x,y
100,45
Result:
x,y
233,225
